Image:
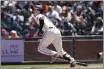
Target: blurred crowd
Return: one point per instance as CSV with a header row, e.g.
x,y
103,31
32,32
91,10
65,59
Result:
x,y
79,17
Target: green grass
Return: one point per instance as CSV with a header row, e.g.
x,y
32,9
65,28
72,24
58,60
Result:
x,y
32,65
48,66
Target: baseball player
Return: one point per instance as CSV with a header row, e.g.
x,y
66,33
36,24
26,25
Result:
x,y
51,35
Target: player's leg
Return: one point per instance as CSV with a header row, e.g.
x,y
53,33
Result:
x,y
46,41
58,45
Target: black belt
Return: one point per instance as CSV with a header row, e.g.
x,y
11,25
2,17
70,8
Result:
x,y
50,27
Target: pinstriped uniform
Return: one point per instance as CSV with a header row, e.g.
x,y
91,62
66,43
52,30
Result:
x,y
51,35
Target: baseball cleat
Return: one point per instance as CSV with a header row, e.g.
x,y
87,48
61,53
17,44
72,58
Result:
x,y
70,60
73,64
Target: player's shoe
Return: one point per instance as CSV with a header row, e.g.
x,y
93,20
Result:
x,y
54,57
72,63
70,59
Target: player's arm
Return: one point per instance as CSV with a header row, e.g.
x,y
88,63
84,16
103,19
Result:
x,y
41,21
31,19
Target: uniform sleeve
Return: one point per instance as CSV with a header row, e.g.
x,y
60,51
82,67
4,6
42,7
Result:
x,y
41,21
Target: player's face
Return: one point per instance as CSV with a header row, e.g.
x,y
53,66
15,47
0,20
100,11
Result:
x,y
36,11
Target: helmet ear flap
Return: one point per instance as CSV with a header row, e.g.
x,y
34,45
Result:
x,y
41,10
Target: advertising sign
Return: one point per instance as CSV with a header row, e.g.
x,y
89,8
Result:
x,y
12,51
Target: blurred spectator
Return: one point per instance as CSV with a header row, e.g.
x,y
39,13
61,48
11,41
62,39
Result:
x,y
31,33
45,7
66,15
66,18
17,20
4,21
98,7
28,6
20,4
8,3
79,10
4,34
57,8
79,23
55,18
53,15
97,28
81,26
13,34
80,15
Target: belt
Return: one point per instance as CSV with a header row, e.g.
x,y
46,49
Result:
x,y
51,27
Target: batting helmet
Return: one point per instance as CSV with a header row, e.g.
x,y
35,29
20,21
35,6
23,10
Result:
x,y
39,7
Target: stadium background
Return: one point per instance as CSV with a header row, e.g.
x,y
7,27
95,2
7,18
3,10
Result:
x,y
14,19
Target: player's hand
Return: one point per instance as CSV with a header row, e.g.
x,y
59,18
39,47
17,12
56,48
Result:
x,y
40,33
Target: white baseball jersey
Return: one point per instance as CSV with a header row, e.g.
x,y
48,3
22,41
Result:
x,y
47,22
51,35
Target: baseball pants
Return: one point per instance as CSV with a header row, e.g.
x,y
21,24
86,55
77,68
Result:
x,y
53,36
